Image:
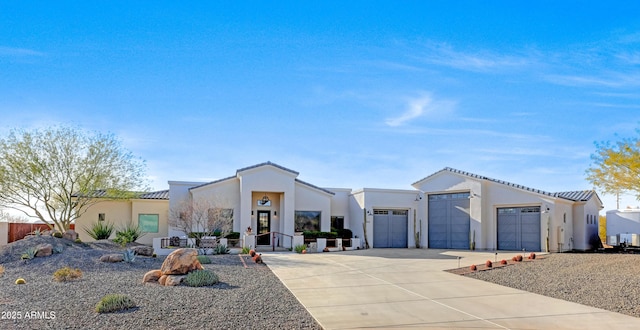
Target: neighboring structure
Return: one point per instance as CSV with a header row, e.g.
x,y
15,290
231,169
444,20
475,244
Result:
x,y
624,221
449,209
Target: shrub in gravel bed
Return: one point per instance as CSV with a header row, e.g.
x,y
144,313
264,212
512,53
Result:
x,y
114,303
67,274
488,263
221,249
204,259
473,268
1,270
503,262
532,256
203,277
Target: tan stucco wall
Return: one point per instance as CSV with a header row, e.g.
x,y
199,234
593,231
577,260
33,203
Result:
x,y
120,213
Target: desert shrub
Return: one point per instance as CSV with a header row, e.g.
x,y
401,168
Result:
x,y
221,249
21,281
78,241
114,302
252,252
204,259
37,232
128,234
344,233
257,258
532,256
100,230
488,263
203,277
67,274
503,262
517,258
1,270
30,253
245,250
129,256
232,235
473,268
57,234
299,248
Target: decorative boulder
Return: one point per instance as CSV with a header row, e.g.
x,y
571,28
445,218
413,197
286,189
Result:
x,y
152,276
44,250
112,258
70,235
163,279
143,250
180,262
174,280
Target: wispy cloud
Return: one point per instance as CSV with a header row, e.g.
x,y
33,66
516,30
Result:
x,y
13,51
420,107
481,60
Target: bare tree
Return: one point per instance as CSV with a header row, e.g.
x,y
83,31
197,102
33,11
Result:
x,y
202,217
56,174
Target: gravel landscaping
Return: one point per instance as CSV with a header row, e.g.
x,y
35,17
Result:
x,y
606,281
249,296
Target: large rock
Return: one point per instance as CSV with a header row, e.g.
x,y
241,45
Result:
x,y
174,280
70,235
143,250
44,250
112,257
152,276
163,279
181,262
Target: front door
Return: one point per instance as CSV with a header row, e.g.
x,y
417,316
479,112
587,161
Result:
x,y
264,227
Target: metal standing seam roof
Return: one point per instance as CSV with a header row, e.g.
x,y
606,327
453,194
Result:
x,y
160,194
576,196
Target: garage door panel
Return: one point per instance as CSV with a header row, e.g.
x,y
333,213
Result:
x,y
449,221
390,228
519,228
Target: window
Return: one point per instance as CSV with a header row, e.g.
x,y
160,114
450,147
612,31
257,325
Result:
x,y
337,223
101,217
148,223
307,220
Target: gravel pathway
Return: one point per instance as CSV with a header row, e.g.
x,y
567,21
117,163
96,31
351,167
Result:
x,y
607,281
249,297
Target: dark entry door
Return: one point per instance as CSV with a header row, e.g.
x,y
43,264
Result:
x,y
264,227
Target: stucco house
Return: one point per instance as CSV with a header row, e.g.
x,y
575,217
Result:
x,y
449,209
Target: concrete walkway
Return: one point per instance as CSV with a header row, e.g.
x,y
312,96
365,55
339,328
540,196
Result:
x,y
407,288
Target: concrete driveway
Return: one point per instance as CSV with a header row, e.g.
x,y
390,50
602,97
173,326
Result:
x,y
407,288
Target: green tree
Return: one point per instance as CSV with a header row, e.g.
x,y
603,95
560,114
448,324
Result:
x,y
56,174
615,167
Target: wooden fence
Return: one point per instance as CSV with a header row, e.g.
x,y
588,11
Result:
x,y
18,231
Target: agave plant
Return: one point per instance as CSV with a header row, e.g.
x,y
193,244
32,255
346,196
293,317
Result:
x,y
221,249
129,256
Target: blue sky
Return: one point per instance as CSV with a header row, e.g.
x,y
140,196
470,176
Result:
x,y
356,94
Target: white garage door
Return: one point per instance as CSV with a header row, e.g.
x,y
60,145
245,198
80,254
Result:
x,y
449,221
390,228
519,228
